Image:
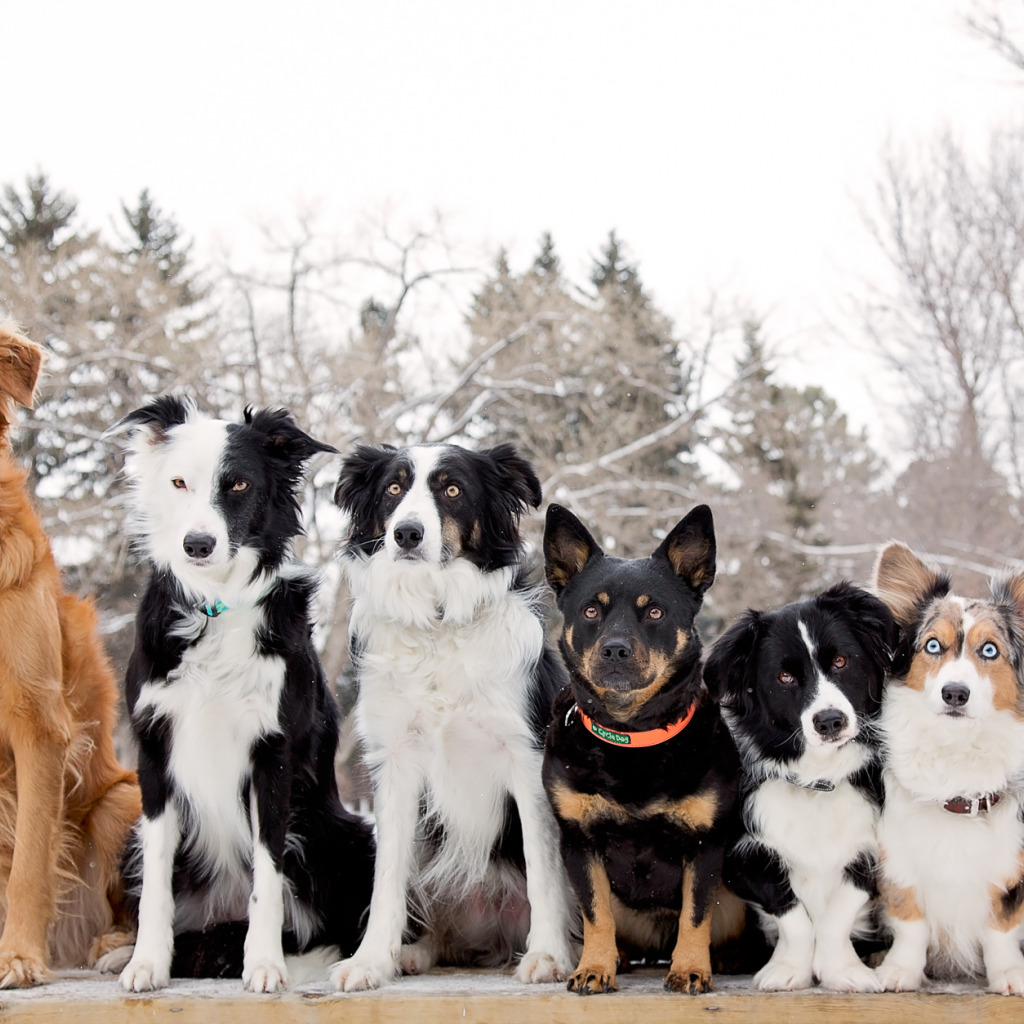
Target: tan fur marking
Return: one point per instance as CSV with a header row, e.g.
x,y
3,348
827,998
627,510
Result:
x,y
945,626
692,812
570,557
1005,686
604,599
690,970
1002,920
596,969
643,601
587,808
900,903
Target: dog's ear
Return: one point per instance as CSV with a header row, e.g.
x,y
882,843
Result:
x,y
20,363
870,618
906,584
729,665
1008,594
516,475
568,546
154,420
360,477
283,438
690,549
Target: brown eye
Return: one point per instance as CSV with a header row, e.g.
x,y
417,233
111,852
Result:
x,y
655,613
178,484
787,678
839,661
394,489
590,612
240,485
452,490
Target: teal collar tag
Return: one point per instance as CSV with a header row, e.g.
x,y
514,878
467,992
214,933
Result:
x,y
215,609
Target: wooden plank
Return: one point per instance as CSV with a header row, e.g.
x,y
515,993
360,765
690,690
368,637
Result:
x,y
481,997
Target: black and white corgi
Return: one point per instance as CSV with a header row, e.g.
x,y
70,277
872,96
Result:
x,y
235,726
456,684
952,830
801,690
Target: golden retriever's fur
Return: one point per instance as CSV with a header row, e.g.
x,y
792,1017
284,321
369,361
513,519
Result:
x,y
66,805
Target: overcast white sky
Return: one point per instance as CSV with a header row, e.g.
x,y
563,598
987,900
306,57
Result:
x,y
725,141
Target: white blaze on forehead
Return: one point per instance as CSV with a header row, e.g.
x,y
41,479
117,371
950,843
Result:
x,y
418,504
812,648
826,697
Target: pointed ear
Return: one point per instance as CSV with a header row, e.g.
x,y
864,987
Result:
x,y
1008,593
729,665
568,547
284,439
153,421
905,583
690,549
20,363
517,475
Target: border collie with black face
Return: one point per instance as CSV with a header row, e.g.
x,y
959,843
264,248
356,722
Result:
x,y
801,690
952,833
235,725
455,687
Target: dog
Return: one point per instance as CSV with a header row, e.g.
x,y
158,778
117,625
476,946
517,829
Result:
x,y
456,683
235,726
640,770
951,832
801,690
66,804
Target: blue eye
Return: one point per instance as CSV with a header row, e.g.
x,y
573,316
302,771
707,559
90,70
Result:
x,y
989,651
933,646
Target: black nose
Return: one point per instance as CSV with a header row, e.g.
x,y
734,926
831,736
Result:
x,y
956,695
408,534
616,650
829,723
199,545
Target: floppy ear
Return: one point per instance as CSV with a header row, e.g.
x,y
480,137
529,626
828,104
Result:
x,y
20,362
516,475
729,665
690,549
568,546
876,628
152,421
360,475
906,584
284,439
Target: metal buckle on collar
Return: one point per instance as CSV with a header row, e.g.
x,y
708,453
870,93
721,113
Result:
x,y
971,806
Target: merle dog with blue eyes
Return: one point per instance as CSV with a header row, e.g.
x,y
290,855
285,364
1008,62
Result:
x,y
801,690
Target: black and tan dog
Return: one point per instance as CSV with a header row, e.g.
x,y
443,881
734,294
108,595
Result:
x,y
638,765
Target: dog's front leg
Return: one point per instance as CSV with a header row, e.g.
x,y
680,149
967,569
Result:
x,y
396,797
595,972
836,964
690,969
263,967
548,956
39,762
150,965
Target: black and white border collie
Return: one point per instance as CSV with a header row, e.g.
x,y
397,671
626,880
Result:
x,y
235,726
456,683
952,830
801,691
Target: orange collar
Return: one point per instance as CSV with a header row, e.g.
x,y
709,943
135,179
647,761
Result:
x,y
650,738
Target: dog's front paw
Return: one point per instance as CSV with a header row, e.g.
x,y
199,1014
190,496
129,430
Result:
x,y
144,975
591,979
896,977
358,975
696,981
110,952
264,977
851,977
783,976
542,968
1009,982
418,957
18,970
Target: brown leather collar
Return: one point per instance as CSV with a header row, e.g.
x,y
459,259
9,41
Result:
x,y
973,807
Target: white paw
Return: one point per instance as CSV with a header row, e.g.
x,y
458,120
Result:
x,y
143,975
895,977
417,957
783,976
851,977
115,961
1009,982
265,977
542,968
357,975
